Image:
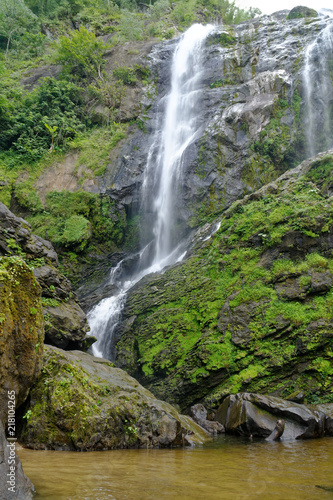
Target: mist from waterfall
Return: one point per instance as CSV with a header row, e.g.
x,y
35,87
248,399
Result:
x,y
162,184
318,91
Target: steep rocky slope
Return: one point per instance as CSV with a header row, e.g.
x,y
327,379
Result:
x,y
251,308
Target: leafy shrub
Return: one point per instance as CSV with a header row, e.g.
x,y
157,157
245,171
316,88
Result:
x,y
55,103
81,55
126,75
131,26
72,220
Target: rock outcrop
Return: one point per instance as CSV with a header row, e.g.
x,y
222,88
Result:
x,y
14,484
21,331
85,403
250,309
255,415
65,322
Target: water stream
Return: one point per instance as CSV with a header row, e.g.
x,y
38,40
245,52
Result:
x,y
162,184
229,468
318,89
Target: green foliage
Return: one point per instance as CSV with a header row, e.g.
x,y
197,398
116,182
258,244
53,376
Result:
x,y
55,103
131,27
73,220
81,55
15,18
130,76
96,145
31,44
126,75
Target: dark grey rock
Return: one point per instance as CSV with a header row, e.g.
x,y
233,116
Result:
x,y
23,487
199,414
252,414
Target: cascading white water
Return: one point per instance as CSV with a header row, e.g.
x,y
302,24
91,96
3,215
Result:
x,y
317,80
162,182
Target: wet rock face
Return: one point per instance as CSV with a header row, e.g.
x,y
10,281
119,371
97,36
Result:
x,y
252,414
65,322
21,331
24,489
249,118
85,403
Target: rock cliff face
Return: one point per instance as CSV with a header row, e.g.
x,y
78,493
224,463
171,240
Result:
x,y
250,114
250,309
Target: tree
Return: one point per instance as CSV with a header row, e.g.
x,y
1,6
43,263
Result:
x,y
15,17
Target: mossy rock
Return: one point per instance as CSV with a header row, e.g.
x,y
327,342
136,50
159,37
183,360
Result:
x,y
300,11
84,403
21,330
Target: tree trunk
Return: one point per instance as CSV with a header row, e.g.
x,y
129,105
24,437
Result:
x,y
8,43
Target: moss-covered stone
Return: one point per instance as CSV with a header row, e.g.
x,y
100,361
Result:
x,y
21,330
83,403
251,309
300,11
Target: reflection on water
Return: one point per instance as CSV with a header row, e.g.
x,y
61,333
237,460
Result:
x,y
228,468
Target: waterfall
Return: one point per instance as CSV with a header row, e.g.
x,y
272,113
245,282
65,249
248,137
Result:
x,y
162,183
318,90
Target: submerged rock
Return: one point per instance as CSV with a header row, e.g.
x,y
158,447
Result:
x,y
84,403
252,414
23,487
199,414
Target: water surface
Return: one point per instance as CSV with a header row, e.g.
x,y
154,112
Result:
x,y
228,468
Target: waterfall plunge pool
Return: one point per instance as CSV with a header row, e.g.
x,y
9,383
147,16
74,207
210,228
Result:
x,y
226,468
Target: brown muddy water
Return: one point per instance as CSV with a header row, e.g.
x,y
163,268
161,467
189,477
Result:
x,y
226,468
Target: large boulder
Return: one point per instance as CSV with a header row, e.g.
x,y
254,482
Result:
x,y
21,330
84,403
16,237
14,484
252,414
327,409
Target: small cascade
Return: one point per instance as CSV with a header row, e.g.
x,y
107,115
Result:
x,y
318,90
162,184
